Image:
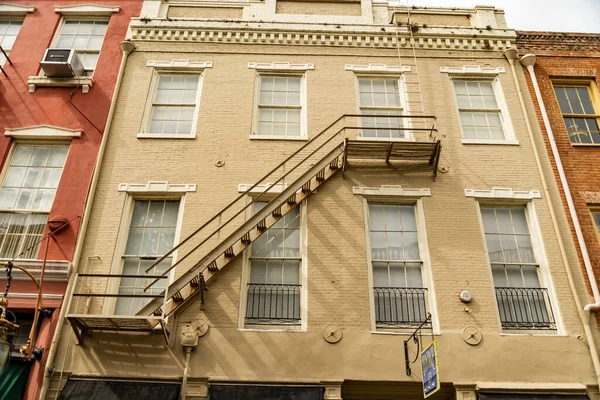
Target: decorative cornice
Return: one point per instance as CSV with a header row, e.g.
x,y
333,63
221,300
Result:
x,y
312,38
87,9
378,68
42,132
157,187
180,64
473,69
391,191
56,270
280,66
503,193
9,9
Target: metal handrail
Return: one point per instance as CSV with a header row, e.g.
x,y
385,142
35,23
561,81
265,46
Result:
x,y
286,173
400,306
273,303
525,308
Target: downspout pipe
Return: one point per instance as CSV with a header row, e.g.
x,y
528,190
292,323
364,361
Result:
x,y
126,48
528,61
584,315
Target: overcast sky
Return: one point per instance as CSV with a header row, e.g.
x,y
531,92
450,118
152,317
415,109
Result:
x,y
536,15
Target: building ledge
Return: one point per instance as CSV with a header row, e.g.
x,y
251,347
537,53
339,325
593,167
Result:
x,y
43,81
56,270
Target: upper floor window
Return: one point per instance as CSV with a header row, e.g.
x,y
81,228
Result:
x,y
378,96
523,304
29,187
174,105
398,289
280,106
596,216
480,111
85,37
579,113
8,34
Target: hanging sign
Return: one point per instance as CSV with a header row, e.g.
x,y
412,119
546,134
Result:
x,y
430,370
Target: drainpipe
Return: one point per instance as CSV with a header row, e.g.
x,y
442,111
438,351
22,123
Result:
x,y
528,62
126,48
584,315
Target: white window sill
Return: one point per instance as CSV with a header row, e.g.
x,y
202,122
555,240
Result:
x,y
512,142
274,329
144,135
378,139
292,138
43,81
585,144
534,334
404,333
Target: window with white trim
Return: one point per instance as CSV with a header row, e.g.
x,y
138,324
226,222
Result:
x,y
151,235
174,105
398,289
27,194
479,109
8,34
522,303
280,106
86,37
274,286
579,113
381,96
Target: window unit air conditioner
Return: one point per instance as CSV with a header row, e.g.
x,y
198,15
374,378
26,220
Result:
x,y
62,63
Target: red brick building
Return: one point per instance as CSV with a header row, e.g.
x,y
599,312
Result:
x,y
51,129
566,70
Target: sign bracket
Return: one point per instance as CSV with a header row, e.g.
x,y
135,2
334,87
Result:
x,y
414,336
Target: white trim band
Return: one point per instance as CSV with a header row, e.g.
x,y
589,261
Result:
x,y
473,69
380,68
391,190
180,64
9,9
503,193
277,188
87,9
42,132
157,186
280,66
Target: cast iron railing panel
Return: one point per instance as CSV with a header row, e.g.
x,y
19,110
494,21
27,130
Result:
x,y
400,306
525,308
273,304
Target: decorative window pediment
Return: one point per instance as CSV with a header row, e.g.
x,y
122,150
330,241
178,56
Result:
x,y
87,9
9,9
42,132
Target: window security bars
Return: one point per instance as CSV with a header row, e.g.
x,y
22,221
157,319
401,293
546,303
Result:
x,y
277,304
525,308
399,306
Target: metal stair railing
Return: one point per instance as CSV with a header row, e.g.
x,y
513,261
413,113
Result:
x,y
287,180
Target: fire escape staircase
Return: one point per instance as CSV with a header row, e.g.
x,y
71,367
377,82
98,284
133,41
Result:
x,y
229,232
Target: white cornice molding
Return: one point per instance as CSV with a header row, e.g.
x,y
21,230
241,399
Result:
x,y
277,188
180,64
56,270
378,68
280,66
234,34
9,9
503,193
42,132
473,69
87,9
157,187
391,191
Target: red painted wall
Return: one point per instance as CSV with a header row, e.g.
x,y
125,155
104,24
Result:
x,y
576,57
51,106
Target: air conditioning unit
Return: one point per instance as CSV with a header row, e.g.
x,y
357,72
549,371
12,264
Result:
x,y
62,63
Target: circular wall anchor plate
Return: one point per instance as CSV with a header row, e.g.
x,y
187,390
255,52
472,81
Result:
x,y
332,333
472,335
201,326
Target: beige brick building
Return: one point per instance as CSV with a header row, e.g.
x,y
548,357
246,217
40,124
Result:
x,y
347,232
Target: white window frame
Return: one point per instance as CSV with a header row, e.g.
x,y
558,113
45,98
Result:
x,y
80,17
11,18
394,196
283,73
407,123
147,119
507,127
6,166
303,274
108,307
539,252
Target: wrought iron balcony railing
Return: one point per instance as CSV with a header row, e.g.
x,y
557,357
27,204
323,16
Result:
x,y
525,308
399,306
277,304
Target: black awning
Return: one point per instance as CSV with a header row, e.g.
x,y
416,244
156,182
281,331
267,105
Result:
x,y
88,389
529,396
264,392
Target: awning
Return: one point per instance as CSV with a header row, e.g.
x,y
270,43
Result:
x,y
529,396
13,380
89,389
264,392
